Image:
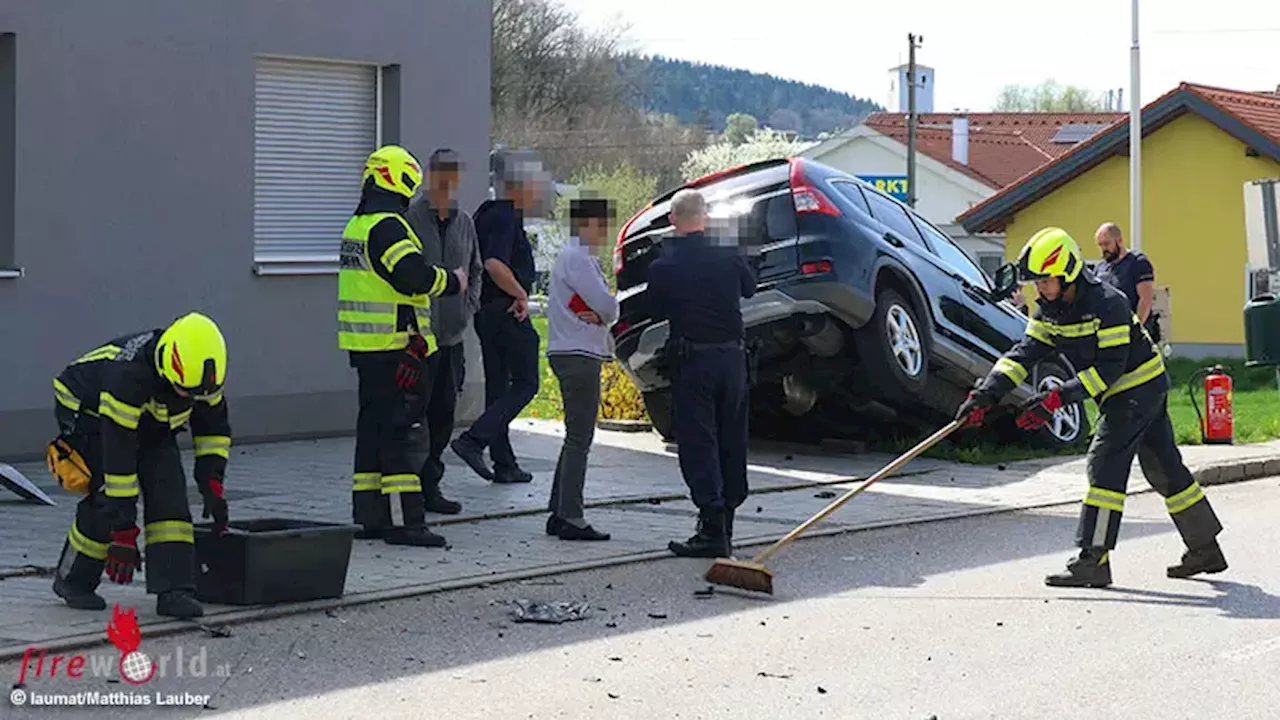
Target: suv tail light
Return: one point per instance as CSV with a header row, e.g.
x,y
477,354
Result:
x,y
808,198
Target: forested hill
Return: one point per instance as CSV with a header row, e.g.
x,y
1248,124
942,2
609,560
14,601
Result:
x,y
707,94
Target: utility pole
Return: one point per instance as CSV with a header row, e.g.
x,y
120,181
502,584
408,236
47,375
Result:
x,y
913,43
1135,141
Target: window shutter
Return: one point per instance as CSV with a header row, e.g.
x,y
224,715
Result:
x,y
315,124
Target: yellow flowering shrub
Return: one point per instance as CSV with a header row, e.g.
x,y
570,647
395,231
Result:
x,y
619,397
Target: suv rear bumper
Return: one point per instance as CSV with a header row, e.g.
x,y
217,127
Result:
x,y
639,354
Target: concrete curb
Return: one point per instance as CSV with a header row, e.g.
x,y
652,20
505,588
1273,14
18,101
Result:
x,y
1221,473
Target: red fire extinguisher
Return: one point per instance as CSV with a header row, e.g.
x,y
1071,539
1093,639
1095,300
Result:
x,y
1217,426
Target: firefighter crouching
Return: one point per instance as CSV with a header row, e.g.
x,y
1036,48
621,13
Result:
x,y
384,322
119,409
1120,368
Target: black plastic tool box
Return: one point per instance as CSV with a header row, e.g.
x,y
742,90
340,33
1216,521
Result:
x,y
272,560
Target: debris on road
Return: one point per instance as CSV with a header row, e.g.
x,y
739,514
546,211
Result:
x,y
822,690
613,697
704,593
825,495
658,615
615,659
218,631
772,675
551,613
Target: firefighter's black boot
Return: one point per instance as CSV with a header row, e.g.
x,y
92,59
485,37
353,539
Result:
x,y
179,604
76,599
436,501
1091,568
710,540
1205,559
415,532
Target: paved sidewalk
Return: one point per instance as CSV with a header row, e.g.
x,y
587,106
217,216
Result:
x,y
634,491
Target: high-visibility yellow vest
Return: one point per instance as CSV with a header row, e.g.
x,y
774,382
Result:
x,y
367,304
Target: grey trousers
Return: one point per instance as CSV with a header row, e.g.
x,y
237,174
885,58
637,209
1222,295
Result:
x,y
579,378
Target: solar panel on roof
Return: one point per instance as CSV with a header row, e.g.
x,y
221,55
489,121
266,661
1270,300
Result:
x,y
1073,133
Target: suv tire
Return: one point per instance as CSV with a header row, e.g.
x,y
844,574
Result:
x,y
902,372
658,405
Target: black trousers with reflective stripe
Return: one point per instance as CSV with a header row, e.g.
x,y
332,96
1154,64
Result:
x,y
383,466
1137,423
168,542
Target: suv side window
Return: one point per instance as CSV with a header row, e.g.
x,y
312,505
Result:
x,y
953,256
895,216
852,193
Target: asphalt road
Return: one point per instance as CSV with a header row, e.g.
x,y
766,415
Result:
x,y
947,620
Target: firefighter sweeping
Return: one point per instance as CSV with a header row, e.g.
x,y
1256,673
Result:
x,y
1217,424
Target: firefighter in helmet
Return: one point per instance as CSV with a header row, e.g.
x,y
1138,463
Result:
x,y
1120,368
119,409
384,323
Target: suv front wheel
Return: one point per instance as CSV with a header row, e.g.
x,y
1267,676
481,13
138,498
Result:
x,y
894,347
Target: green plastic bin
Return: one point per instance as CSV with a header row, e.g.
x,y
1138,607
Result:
x,y
1262,330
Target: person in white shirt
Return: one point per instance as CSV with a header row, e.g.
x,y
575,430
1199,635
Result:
x,y
580,309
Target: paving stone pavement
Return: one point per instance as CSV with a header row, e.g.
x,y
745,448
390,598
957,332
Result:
x,y
634,491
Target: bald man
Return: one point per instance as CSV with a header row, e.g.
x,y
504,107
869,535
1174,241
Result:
x,y
1129,272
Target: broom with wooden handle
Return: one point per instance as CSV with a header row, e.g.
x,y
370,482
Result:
x,y
754,575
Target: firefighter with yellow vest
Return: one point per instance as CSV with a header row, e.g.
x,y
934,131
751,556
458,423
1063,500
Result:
x,y
1120,368
119,408
384,322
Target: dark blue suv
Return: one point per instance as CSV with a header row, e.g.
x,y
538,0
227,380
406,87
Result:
x,y
864,312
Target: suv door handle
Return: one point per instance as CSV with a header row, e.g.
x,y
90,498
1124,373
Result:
x,y
893,240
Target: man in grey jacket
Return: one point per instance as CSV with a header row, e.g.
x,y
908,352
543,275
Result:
x,y
449,240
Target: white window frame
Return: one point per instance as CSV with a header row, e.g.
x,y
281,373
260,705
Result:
x,y
316,264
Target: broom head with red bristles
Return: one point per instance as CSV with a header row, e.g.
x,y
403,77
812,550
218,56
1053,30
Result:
x,y
742,574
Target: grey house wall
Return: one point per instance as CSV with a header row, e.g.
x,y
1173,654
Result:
x,y
133,201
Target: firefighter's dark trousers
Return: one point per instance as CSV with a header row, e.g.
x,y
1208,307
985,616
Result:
x,y
383,467
1137,422
169,541
709,421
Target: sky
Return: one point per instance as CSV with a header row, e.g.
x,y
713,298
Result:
x,y
975,47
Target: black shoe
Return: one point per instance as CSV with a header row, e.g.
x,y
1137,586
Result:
x,y
573,532
440,505
1207,559
178,604
1091,568
472,454
553,525
709,541
511,476
78,600
414,537
370,532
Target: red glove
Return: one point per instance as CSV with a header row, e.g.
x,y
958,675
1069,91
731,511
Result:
x,y
123,556
215,505
1039,411
409,373
974,409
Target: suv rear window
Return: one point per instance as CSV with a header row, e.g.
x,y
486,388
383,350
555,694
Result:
x,y
737,185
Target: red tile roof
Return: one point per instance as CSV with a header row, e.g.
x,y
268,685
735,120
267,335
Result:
x,y
1002,146
1258,110
1252,117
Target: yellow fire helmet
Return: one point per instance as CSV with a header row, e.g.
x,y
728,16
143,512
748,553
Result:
x,y
393,168
192,355
1050,253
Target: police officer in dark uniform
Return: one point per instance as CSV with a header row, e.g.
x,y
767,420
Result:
x,y
1090,322
698,286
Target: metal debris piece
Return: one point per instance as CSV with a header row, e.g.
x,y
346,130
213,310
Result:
x,y
658,615
772,675
553,613
825,495
219,631
704,593
822,690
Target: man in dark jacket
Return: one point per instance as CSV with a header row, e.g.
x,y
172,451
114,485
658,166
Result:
x,y
508,341
448,238
698,286
1090,323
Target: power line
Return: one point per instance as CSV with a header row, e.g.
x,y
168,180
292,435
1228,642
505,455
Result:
x,y
1218,31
